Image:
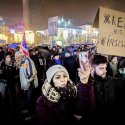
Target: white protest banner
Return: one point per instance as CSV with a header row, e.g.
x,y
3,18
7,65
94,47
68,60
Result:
x,y
111,32
52,25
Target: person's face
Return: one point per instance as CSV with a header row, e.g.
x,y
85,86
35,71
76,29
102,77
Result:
x,y
19,57
122,70
8,58
75,53
56,57
67,55
60,79
114,60
33,53
60,50
36,52
54,49
100,70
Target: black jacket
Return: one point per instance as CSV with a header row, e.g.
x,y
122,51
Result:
x,y
109,100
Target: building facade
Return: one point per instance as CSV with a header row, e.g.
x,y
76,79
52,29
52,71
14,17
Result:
x,y
32,14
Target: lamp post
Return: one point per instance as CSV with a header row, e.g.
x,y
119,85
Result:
x,y
62,23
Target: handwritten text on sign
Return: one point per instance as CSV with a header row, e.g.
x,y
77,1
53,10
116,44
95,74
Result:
x,y
111,32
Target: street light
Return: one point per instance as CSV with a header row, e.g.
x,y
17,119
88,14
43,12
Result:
x,y
62,19
64,23
69,22
74,32
59,22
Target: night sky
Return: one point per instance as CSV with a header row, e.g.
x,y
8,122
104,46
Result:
x,y
80,11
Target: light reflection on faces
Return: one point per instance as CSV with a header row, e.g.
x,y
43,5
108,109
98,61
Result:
x,y
101,70
60,79
8,58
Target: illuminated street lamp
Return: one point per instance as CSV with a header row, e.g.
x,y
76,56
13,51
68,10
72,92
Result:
x,y
62,19
59,22
69,22
74,32
64,23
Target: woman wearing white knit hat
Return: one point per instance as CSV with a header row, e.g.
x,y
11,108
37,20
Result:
x,y
59,100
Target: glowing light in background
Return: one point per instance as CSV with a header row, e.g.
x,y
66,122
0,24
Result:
x,y
3,37
74,32
18,37
30,37
65,34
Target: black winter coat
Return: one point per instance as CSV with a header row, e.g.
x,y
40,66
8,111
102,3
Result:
x,y
109,101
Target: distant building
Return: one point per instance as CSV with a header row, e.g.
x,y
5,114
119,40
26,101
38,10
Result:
x,y
2,25
32,14
3,32
90,32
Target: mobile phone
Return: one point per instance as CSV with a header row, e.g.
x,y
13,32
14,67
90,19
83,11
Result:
x,y
83,59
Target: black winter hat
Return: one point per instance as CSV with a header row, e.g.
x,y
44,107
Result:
x,y
56,54
98,59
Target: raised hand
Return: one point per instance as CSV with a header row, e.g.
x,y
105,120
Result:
x,y
84,72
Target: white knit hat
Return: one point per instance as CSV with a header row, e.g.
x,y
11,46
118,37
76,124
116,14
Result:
x,y
54,69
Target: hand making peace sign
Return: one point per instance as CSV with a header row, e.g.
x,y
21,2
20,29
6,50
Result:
x,y
84,72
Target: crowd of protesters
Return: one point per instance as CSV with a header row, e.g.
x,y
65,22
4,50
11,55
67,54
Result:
x,y
49,87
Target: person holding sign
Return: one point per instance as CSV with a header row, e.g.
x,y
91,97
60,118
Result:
x,y
104,97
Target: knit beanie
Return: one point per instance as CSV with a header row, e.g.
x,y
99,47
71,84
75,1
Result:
x,y
54,69
98,59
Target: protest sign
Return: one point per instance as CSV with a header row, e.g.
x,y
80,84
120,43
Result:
x,y
111,24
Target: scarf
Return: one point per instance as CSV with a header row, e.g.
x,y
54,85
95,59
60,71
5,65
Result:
x,y
68,92
54,94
